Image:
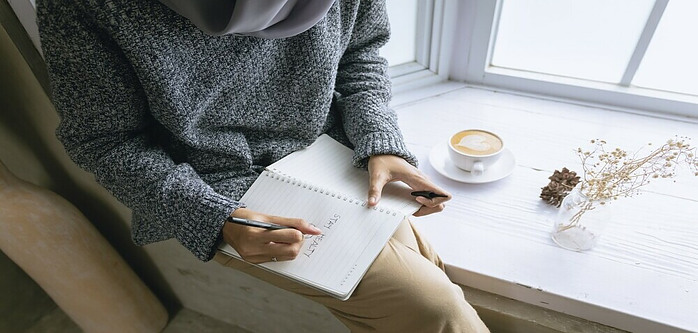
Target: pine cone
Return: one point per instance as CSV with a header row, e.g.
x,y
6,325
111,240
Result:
x,y
561,183
565,177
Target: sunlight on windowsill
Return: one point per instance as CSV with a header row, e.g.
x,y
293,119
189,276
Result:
x,y
496,236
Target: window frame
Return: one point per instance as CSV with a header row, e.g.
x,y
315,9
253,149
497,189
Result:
x,y
429,74
477,27
431,52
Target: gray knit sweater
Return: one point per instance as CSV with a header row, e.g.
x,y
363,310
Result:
x,y
177,124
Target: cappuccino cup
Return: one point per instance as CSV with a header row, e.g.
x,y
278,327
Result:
x,y
475,150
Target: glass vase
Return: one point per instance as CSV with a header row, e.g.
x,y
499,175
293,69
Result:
x,y
580,221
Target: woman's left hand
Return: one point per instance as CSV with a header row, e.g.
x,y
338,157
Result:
x,y
384,169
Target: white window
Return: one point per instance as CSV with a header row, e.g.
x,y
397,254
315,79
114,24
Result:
x,y
671,61
402,47
411,27
631,54
591,40
419,49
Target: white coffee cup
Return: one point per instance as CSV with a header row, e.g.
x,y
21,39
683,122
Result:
x,y
475,150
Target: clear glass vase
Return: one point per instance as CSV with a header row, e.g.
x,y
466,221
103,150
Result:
x,y
579,221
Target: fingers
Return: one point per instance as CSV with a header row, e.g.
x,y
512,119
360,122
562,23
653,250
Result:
x,y
387,168
377,180
433,205
426,210
278,251
257,245
298,224
284,236
419,182
429,202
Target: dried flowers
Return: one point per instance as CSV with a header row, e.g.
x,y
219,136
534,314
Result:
x,y
612,174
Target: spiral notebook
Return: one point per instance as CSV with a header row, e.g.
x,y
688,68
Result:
x,y
320,185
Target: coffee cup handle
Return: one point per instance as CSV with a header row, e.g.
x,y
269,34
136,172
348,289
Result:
x,y
478,169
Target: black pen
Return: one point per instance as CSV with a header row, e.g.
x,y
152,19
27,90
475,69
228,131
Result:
x,y
428,194
258,224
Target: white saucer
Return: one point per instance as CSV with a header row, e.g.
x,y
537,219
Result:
x,y
441,162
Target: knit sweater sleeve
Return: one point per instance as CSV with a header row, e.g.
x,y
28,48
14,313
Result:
x,y
363,87
106,129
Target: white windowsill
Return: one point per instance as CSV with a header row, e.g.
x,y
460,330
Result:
x,y
643,274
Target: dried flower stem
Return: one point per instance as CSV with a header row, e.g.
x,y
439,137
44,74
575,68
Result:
x,y
615,174
610,175
574,220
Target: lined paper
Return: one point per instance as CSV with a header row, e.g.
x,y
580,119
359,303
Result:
x,y
328,163
352,233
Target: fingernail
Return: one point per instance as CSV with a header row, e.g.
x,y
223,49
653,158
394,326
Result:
x,y
314,228
372,200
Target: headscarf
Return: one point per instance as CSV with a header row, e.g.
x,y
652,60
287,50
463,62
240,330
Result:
x,y
260,18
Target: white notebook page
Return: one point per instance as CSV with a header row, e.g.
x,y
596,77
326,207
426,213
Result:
x,y
353,234
328,163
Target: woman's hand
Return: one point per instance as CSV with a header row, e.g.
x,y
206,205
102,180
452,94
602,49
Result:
x,y
257,245
384,169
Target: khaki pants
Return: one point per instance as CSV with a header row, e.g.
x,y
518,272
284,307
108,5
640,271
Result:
x,y
405,290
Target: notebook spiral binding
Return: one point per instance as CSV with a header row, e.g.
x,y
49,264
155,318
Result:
x,y
297,182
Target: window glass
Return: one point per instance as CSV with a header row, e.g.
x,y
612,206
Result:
x,y
589,39
671,61
402,46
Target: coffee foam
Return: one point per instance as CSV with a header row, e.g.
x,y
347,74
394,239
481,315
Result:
x,y
475,142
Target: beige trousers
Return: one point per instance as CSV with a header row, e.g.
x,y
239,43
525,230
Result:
x,y
405,290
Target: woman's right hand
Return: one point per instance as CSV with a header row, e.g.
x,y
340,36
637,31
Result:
x,y
258,245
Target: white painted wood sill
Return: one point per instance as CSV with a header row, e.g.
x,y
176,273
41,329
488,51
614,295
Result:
x,y
643,274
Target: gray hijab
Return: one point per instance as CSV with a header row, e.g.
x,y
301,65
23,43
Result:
x,y
259,18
